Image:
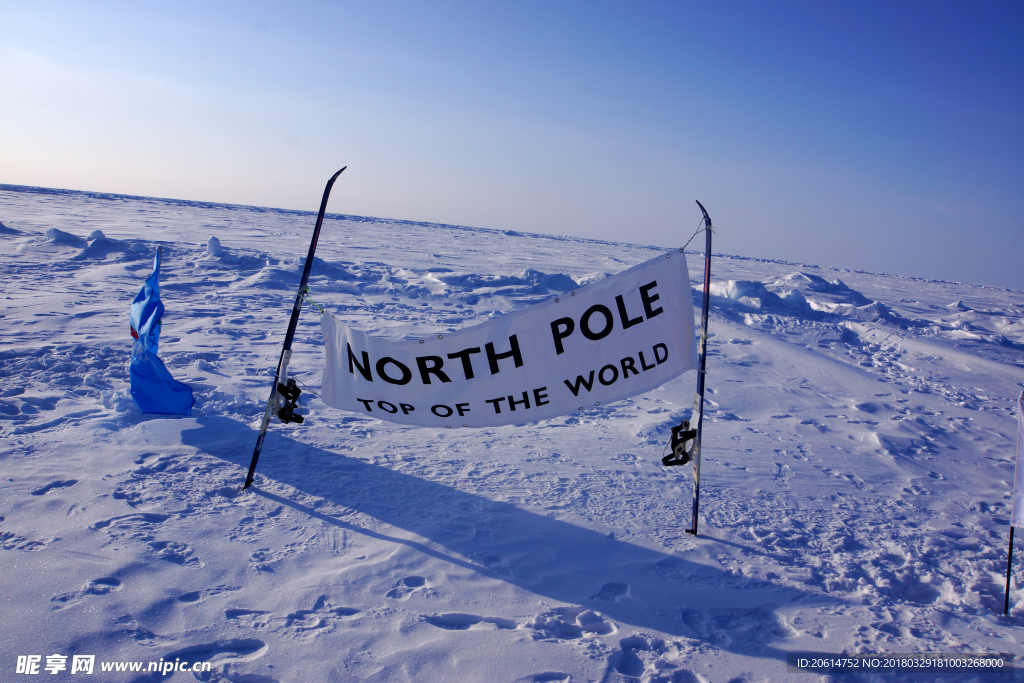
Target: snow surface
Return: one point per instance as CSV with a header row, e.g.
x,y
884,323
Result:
x,y
858,459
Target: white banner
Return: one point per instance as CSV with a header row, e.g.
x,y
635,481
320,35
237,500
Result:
x,y
609,340
1017,512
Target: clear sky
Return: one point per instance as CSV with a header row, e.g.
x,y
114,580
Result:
x,y
880,136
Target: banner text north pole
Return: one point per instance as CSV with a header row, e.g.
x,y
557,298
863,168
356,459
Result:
x,y
615,338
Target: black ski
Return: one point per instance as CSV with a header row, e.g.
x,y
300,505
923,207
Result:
x,y
286,351
698,399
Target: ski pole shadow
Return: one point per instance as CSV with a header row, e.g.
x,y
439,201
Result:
x,y
627,583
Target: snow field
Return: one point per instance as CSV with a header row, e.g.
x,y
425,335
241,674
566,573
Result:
x,y
855,488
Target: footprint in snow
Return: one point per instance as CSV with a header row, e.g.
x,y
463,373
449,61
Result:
x,y
176,552
143,520
10,540
249,618
102,586
545,677
129,627
223,655
498,565
406,587
611,592
458,621
308,623
783,473
263,558
627,659
569,623
640,654
721,627
43,490
195,597
302,624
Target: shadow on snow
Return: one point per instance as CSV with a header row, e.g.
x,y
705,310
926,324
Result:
x,y
556,560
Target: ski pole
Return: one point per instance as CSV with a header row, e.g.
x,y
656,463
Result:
x,y
286,351
698,399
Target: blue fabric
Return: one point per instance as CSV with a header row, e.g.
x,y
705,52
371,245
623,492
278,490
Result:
x,y
153,388
147,309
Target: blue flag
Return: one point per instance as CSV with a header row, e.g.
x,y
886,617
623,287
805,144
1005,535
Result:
x,y
153,388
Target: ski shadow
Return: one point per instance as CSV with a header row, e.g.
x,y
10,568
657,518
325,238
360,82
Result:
x,y
555,560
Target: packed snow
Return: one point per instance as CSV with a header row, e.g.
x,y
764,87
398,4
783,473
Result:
x,y
858,459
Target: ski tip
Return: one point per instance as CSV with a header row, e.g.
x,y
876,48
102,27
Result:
x,y
335,176
707,219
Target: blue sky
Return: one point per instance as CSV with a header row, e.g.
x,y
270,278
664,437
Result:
x,y
876,136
